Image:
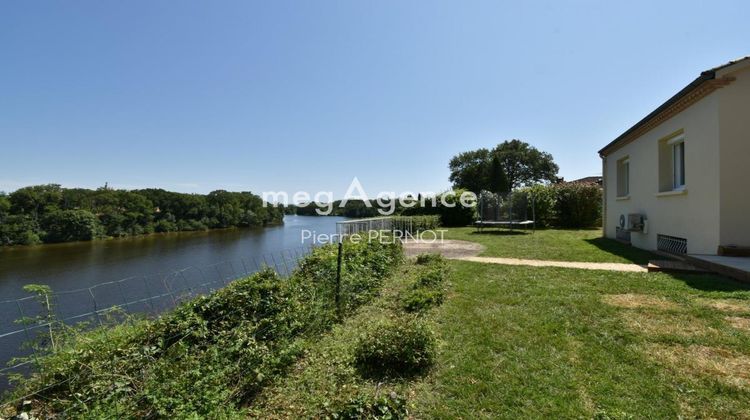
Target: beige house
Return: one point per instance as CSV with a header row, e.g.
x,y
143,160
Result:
x,y
679,180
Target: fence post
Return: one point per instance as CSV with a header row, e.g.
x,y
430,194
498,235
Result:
x,y
338,279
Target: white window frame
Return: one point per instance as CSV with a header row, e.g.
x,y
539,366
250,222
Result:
x,y
625,164
677,148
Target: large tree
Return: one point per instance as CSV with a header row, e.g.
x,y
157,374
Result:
x,y
509,165
524,164
469,170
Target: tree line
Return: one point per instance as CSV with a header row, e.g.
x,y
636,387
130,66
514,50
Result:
x,y
50,213
452,214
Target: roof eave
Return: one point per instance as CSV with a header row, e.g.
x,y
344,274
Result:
x,y
705,76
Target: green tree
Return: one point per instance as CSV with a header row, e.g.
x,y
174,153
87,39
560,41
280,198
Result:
x,y
524,164
498,181
25,212
469,170
510,165
36,200
71,225
4,206
19,229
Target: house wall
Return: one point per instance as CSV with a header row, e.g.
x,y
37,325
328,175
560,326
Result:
x,y
734,145
694,214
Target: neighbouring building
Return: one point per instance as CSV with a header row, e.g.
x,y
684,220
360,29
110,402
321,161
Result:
x,y
589,180
679,179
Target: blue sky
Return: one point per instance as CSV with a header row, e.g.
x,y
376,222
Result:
x,y
279,95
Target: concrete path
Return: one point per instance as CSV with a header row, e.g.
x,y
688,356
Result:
x,y
447,248
635,268
468,251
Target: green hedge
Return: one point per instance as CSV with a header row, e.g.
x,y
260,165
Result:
x,y
566,205
454,214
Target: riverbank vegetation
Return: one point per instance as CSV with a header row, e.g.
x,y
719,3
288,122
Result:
x,y
370,365
50,213
212,355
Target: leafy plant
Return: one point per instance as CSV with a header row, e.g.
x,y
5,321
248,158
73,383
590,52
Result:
x,y
390,406
424,259
422,299
399,347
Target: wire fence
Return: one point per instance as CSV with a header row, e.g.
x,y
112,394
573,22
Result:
x,y
399,225
23,319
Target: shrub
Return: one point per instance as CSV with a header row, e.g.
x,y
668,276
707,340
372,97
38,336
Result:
x,y
191,224
391,406
424,259
165,225
454,214
578,205
422,299
426,290
544,198
431,278
415,224
394,348
560,205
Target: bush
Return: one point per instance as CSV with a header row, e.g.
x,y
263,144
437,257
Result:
x,y
544,199
165,225
394,348
422,299
560,205
431,278
391,406
452,215
457,215
578,205
424,259
415,224
427,290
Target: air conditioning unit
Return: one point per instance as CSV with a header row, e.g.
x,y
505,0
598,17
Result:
x,y
637,223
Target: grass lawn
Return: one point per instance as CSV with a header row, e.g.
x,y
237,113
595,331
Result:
x,y
534,342
550,342
552,244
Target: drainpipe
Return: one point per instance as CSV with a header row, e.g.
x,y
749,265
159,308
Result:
x,y
604,196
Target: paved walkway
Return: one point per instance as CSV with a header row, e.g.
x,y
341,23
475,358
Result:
x,y
468,251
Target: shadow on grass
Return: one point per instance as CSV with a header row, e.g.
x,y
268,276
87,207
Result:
x,y
630,253
712,282
501,232
704,282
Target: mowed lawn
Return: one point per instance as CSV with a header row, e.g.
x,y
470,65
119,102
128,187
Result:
x,y
528,342
543,342
551,244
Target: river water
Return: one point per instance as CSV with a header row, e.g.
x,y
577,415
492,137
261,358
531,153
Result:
x,y
131,269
